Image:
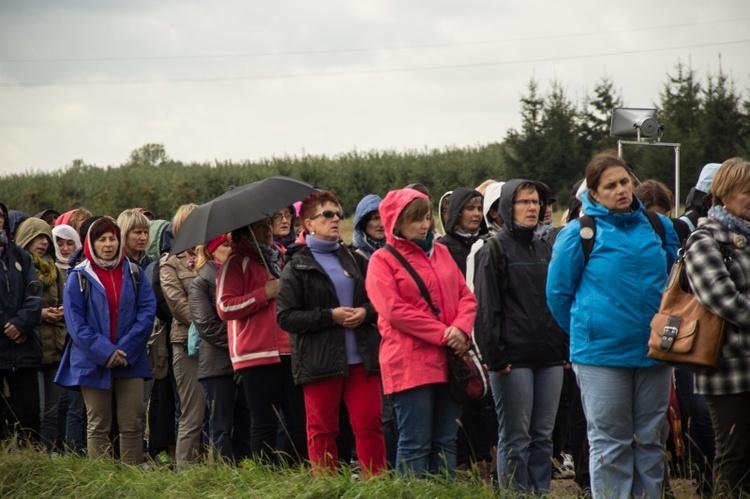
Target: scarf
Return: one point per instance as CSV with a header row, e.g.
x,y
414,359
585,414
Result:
x,y
465,234
3,242
272,256
426,244
735,224
46,270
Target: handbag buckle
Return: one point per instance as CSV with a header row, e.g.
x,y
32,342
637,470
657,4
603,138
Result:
x,y
669,333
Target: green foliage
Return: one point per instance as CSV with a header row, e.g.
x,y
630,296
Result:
x,y
151,180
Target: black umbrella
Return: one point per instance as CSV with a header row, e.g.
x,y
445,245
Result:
x,y
237,208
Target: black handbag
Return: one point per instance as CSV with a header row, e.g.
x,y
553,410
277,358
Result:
x,y
467,377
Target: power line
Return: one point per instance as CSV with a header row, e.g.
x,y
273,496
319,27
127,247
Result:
x,y
364,71
366,49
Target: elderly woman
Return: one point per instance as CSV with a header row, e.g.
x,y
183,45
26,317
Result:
x,y
282,222
413,353
717,261
109,311
35,236
20,348
606,304
334,341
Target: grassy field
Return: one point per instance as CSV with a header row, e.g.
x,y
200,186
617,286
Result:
x,y
28,473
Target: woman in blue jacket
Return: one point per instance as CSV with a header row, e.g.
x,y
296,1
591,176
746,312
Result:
x,y
109,312
606,306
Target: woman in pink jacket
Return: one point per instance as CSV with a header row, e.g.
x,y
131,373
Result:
x,y
247,286
413,355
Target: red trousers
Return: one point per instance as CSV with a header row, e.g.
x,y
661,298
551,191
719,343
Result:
x,y
362,396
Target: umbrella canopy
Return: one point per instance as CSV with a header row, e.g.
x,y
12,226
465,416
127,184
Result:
x,y
237,208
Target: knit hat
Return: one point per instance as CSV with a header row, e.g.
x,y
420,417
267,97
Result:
x,y
215,243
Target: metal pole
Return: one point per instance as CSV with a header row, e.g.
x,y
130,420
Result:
x,y
677,180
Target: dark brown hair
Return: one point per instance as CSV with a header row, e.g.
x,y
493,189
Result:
x,y
654,193
599,163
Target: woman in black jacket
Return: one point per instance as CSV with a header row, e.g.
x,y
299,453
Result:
x,y
20,346
322,302
229,415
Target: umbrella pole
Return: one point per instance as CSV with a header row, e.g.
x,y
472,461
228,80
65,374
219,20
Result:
x,y
257,248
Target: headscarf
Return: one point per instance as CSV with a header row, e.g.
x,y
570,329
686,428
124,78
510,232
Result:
x,y
64,232
102,226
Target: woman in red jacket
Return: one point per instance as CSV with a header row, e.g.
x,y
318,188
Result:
x,y
247,286
413,356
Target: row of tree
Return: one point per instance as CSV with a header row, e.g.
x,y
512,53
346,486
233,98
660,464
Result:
x,y
709,116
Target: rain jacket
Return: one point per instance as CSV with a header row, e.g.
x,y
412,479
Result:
x,y
21,305
88,321
176,272
607,305
367,205
413,348
255,338
460,247
306,298
514,325
52,335
491,195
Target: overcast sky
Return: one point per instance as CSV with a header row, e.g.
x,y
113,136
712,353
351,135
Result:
x,y
236,80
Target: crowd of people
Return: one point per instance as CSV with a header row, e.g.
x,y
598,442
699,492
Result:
x,y
281,342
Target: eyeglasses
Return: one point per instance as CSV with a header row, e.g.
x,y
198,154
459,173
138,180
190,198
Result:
x,y
280,216
328,214
527,202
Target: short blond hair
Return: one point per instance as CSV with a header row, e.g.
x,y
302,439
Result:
x,y
180,216
732,176
130,220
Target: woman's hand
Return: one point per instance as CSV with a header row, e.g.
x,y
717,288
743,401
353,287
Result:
x,y
272,289
11,331
52,314
117,359
456,339
356,318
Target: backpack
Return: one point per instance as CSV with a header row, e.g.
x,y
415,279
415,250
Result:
x,y
587,222
158,343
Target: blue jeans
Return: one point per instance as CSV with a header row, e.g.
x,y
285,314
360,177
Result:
x,y
625,409
427,428
526,401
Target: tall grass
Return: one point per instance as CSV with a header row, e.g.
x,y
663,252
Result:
x,y
28,473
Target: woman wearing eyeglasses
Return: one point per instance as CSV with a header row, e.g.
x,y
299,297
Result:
x,y
322,302
282,226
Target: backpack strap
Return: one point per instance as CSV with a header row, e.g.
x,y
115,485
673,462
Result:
x,y
501,262
588,232
420,283
135,273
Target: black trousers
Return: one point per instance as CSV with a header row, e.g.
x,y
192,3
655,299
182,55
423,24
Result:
x,y
729,417
23,406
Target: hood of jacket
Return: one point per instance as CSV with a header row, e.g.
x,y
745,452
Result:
x,y
459,198
13,220
440,209
491,195
30,229
392,206
367,205
508,196
5,214
155,232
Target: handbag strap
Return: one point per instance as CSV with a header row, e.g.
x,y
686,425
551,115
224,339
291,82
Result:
x,y
420,283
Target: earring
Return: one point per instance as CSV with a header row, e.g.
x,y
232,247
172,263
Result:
x,y
312,233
